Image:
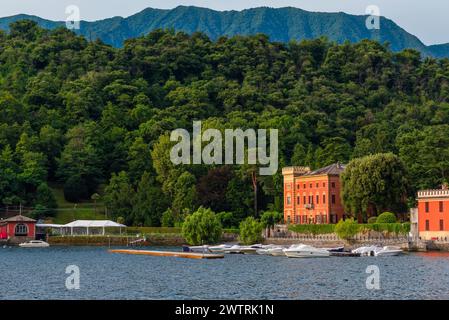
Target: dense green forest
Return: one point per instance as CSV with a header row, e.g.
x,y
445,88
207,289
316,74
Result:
x,y
279,24
94,118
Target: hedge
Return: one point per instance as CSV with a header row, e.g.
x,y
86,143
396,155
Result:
x,y
396,228
154,230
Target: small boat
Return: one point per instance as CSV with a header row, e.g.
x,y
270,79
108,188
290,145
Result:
x,y
367,250
220,248
34,244
235,249
276,251
388,251
305,251
264,249
336,249
197,249
248,250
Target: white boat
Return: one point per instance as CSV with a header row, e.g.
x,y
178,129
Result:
x,y
248,250
197,249
34,244
305,251
367,250
276,251
234,249
262,251
265,248
388,251
220,248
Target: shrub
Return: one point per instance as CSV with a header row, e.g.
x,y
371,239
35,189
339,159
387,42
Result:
x,y
250,231
396,228
202,227
386,217
372,220
347,229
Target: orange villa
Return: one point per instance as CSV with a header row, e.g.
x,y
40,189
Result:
x,y
433,214
313,197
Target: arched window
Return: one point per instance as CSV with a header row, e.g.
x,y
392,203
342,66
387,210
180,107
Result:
x,y
21,230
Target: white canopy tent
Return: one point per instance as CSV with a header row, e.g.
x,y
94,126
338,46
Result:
x,y
89,224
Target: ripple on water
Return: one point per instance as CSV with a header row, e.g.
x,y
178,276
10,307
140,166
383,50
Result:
x,y
114,276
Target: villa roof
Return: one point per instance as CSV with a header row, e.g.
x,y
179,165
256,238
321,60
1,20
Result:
x,y
333,169
19,218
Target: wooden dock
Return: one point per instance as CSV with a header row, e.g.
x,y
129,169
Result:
x,y
188,255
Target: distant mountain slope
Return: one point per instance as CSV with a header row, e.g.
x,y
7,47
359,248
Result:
x,y
281,24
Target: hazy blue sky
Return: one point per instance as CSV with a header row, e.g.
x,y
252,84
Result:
x,y
426,19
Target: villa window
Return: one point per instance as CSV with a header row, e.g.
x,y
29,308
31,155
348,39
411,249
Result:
x,y
21,230
441,225
333,199
317,199
427,206
441,206
324,199
305,199
333,184
289,200
298,200
427,225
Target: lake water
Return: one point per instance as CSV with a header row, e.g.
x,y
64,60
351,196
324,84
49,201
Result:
x,y
40,274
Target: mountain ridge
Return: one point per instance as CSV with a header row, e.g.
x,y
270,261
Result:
x,y
280,24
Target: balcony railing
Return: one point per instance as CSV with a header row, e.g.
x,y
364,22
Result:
x,y
309,206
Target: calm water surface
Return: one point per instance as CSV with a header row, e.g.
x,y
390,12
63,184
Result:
x,y
40,274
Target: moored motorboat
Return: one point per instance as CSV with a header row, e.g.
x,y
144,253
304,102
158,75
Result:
x,y
366,250
336,249
219,249
235,249
34,244
248,250
197,249
388,251
305,251
276,251
264,250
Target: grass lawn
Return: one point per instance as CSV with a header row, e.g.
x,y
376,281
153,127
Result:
x,y
67,212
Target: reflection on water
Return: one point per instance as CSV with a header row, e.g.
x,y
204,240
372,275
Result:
x,y
40,274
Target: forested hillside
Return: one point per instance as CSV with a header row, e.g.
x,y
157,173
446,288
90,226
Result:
x,y
85,114
279,24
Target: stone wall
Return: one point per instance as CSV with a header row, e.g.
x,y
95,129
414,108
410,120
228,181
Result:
x,y
331,243
332,240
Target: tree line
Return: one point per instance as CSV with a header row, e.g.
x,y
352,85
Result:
x,y
96,119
